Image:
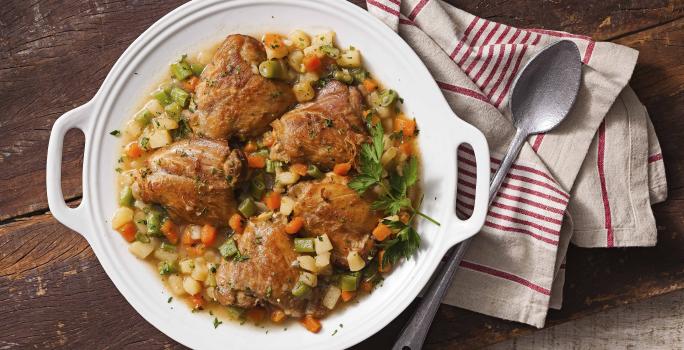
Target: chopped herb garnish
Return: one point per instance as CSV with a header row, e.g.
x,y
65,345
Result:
x,y
116,133
328,123
169,300
217,322
144,142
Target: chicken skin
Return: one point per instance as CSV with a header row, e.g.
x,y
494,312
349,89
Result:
x,y
265,274
232,98
330,207
193,179
323,132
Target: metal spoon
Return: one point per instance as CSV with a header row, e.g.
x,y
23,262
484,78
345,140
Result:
x,y
542,96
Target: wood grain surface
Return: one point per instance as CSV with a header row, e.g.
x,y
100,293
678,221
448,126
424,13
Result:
x,y
55,54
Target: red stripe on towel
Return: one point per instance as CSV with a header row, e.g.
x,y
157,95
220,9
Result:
x,y
656,157
537,142
383,7
464,38
462,91
505,275
610,240
416,10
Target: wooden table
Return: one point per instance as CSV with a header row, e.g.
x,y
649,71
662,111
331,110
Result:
x,y
53,57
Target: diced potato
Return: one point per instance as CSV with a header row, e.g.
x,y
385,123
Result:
x,y
165,123
141,250
164,255
210,281
195,231
264,216
132,129
286,205
201,270
303,92
313,50
287,178
154,107
138,220
294,59
176,285
307,263
160,138
309,279
323,244
387,123
385,112
299,39
212,257
325,38
274,45
388,156
350,59
308,77
122,216
186,266
322,260
210,293
331,297
355,261
191,286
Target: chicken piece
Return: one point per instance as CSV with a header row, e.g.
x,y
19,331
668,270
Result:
x,y
265,274
330,207
233,98
325,131
193,179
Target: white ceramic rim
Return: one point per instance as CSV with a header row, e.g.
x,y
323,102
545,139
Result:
x,y
89,216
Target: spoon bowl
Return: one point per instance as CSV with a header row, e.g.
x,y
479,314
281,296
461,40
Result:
x,y
546,90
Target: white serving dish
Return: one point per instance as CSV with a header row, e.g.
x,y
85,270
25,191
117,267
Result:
x,y
195,25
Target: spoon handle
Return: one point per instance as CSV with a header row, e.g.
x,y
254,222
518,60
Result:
x,y
415,331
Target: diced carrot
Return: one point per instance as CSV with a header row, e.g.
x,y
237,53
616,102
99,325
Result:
x,y
133,150
294,225
235,223
299,169
170,231
190,84
367,286
311,323
254,161
404,217
250,147
256,314
347,295
381,232
406,126
277,316
197,301
366,113
406,148
375,120
312,63
208,235
196,250
386,267
268,140
342,168
370,85
187,237
272,200
128,231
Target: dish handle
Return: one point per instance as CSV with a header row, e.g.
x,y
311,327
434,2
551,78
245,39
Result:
x,y
456,228
74,218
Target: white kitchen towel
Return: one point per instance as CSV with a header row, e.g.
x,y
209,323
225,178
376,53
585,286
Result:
x,y
592,180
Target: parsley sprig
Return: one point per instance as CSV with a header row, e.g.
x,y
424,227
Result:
x,y
394,197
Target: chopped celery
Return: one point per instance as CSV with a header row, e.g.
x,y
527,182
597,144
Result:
x,y
181,70
197,68
257,187
304,245
359,75
301,290
154,221
168,247
349,282
126,197
262,153
166,268
387,97
343,77
180,96
247,207
314,172
272,165
273,69
143,117
162,96
228,248
173,111
141,237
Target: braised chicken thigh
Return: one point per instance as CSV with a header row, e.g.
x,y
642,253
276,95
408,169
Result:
x,y
325,131
193,179
232,98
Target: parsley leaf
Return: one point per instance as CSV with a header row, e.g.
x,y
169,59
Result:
x,y
217,322
115,133
404,244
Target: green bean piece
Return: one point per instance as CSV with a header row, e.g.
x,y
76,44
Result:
x,y
166,268
197,68
272,69
141,237
387,97
247,207
257,187
304,245
349,282
162,96
181,70
343,77
301,290
143,117
180,96
228,248
154,222
173,111
126,197
168,247
314,172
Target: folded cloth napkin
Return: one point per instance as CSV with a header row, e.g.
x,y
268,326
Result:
x,y
591,181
